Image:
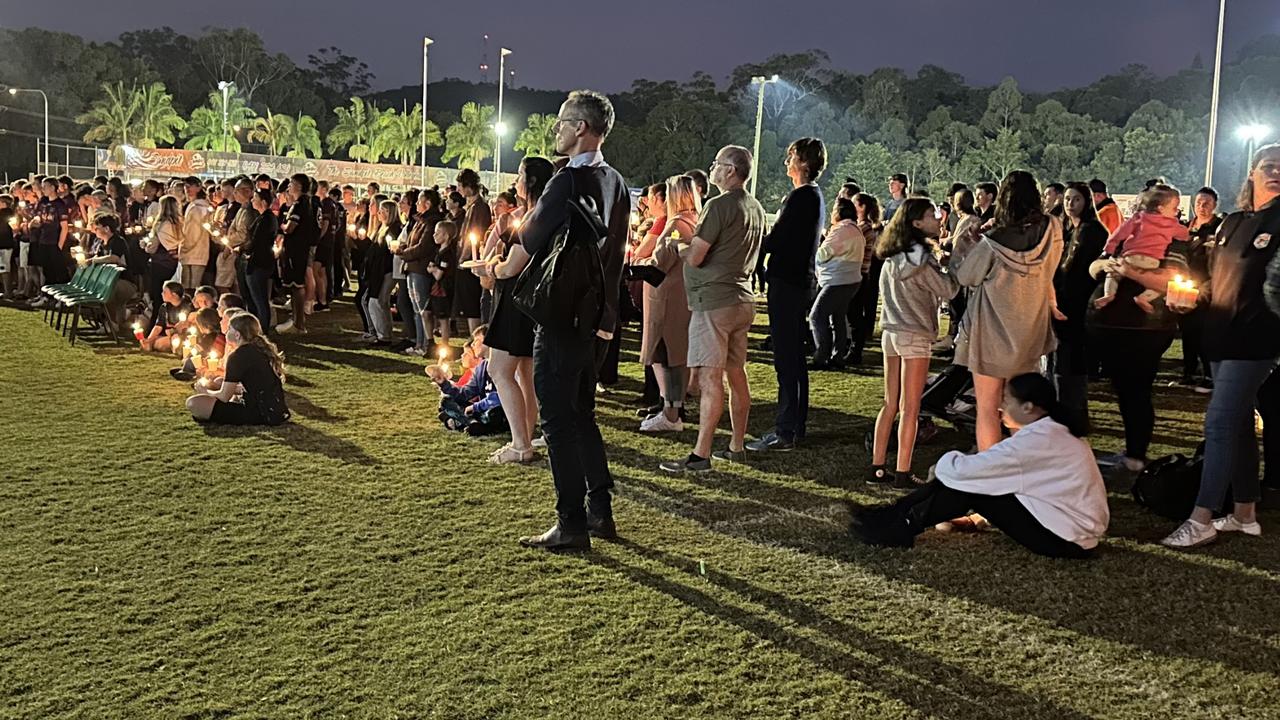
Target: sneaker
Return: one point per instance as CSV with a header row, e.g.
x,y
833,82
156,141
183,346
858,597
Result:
x,y
660,423
182,375
1185,382
285,327
879,475
772,441
905,479
320,307
540,441
727,455
649,410
693,463
290,329
1231,524
415,351
1191,534
1110,461
1204,387
40,302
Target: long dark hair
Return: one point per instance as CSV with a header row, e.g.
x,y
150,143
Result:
x,y
1090,212
901,234
1036,389
1245,200
1018,201
537,173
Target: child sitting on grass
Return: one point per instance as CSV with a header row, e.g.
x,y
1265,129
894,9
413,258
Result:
x,y
1142,241
228,305
208,348
473,406
251,391
171,322
205,296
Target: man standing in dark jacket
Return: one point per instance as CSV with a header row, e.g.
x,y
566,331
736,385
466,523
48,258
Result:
x,y
566,361
791,245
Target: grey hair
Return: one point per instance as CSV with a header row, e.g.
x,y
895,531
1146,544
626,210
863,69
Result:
x,y
741,159
594,108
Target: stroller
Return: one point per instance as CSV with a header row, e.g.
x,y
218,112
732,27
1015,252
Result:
x,y
948,396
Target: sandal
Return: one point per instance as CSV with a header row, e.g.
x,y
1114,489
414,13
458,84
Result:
x,y
510,454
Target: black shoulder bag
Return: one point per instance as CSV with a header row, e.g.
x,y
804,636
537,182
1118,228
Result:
x,y
562,287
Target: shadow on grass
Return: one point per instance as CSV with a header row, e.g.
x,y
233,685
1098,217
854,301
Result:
x,y
933,687
300,405
375,361
1144,599
298,437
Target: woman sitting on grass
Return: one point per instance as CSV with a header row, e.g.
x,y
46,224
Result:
x,y
251,392
208,347
169,322
1040,486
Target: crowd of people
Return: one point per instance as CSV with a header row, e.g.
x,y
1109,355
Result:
x,y
1044,288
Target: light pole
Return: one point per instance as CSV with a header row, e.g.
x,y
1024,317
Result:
x,y
426,43
1251,135
498,128
755,152
45,168
1213,104
225,87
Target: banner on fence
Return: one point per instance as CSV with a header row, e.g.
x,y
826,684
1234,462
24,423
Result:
x,y
145,162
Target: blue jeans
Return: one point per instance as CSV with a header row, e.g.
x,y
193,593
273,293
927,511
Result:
x,y
378,308
259,280
1230,445
420,295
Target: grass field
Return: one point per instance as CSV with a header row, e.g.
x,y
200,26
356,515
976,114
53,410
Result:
x,y
361,562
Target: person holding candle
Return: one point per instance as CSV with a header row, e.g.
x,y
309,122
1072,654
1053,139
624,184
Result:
x,y
472,404
377,268
168,320
301,230
251,391
1141,242
475,225
417,253
162,245
443,270
1243,340
207,344
114,250
8,241
1203,227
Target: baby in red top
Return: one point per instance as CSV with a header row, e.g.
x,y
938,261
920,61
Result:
x,y
1142,242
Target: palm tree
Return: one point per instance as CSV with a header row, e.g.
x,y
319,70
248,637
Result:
x,y
471,139
157,120
355,129
538,139
305,139
400,135
275,131
111,118
206,131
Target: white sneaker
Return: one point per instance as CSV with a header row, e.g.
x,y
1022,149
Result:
x,y
540,441
415,351
1231,524
285,327
660,423
1191,534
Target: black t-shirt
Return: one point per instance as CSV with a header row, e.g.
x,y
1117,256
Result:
x,y
329,213
262,238
52,214
1072,282
793,240
117,246
6,231
263,396
304,215
1200,249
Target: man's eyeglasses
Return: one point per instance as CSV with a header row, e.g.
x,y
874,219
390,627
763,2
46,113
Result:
x,y
560,122
717,163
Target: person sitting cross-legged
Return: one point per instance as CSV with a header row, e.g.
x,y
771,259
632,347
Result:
x,y
1040,486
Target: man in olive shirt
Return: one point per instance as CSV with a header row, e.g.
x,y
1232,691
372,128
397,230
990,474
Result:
x,y
719,260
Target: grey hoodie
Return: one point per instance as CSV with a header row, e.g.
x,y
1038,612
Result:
x,y
1007,326
912,285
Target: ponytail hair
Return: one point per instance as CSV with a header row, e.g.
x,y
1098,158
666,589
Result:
x,y
250,331
1036,389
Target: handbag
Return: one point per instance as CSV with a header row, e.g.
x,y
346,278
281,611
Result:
x,y
562,287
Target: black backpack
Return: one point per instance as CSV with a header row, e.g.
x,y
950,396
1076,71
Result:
x,y
1168,486
562,287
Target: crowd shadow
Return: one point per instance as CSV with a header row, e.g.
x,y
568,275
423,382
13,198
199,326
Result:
x,y
299,437
1107,597
301,405
374,361
918,680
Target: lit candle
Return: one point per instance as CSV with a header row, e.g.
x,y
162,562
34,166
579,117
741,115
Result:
x,y
79,223
351,227
182,316
675,235
137,331
213,360
176,341
475,240
226,242
362,233
204,382
13,222
207,226
515,224
444,361
276,250
22,204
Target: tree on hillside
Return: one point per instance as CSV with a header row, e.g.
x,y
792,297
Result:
x,y
206,131
357,124
537,139
157,119
471,139
111,118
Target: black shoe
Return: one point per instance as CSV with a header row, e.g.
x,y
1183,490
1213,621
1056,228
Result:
x,y
852,358
906,480
381,343
402,345
649,411
820,365
882,527
182,375
319,307
602,527
772,441
557,539
837,362
879,475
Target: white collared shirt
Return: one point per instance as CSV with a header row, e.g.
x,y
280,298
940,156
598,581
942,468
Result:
x,y
592,158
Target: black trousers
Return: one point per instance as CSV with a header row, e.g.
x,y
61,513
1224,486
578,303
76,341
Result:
x,y
404,308
934,503
788,307
1269,409
362,294
1131,359
564,378
1195,362
863,311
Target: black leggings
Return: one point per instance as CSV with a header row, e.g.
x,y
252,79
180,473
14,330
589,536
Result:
x,y
1131,358
934,503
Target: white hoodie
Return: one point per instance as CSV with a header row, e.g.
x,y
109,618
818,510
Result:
x,y
1052,473
195,239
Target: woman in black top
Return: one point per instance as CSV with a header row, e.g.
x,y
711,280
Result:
x,y
1084,240
791,246
475,227
510,335
1242,337
8,240
377,273
251,391
260,262
1196,372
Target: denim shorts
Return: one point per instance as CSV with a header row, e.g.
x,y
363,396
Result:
x,y
907,345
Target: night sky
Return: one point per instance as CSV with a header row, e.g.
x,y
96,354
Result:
x,y
1045,45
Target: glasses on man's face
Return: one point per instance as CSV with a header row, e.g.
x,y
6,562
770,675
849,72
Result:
x,y
561,122
718,163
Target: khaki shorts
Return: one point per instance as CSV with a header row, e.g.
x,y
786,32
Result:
x,y
909,346
718,338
